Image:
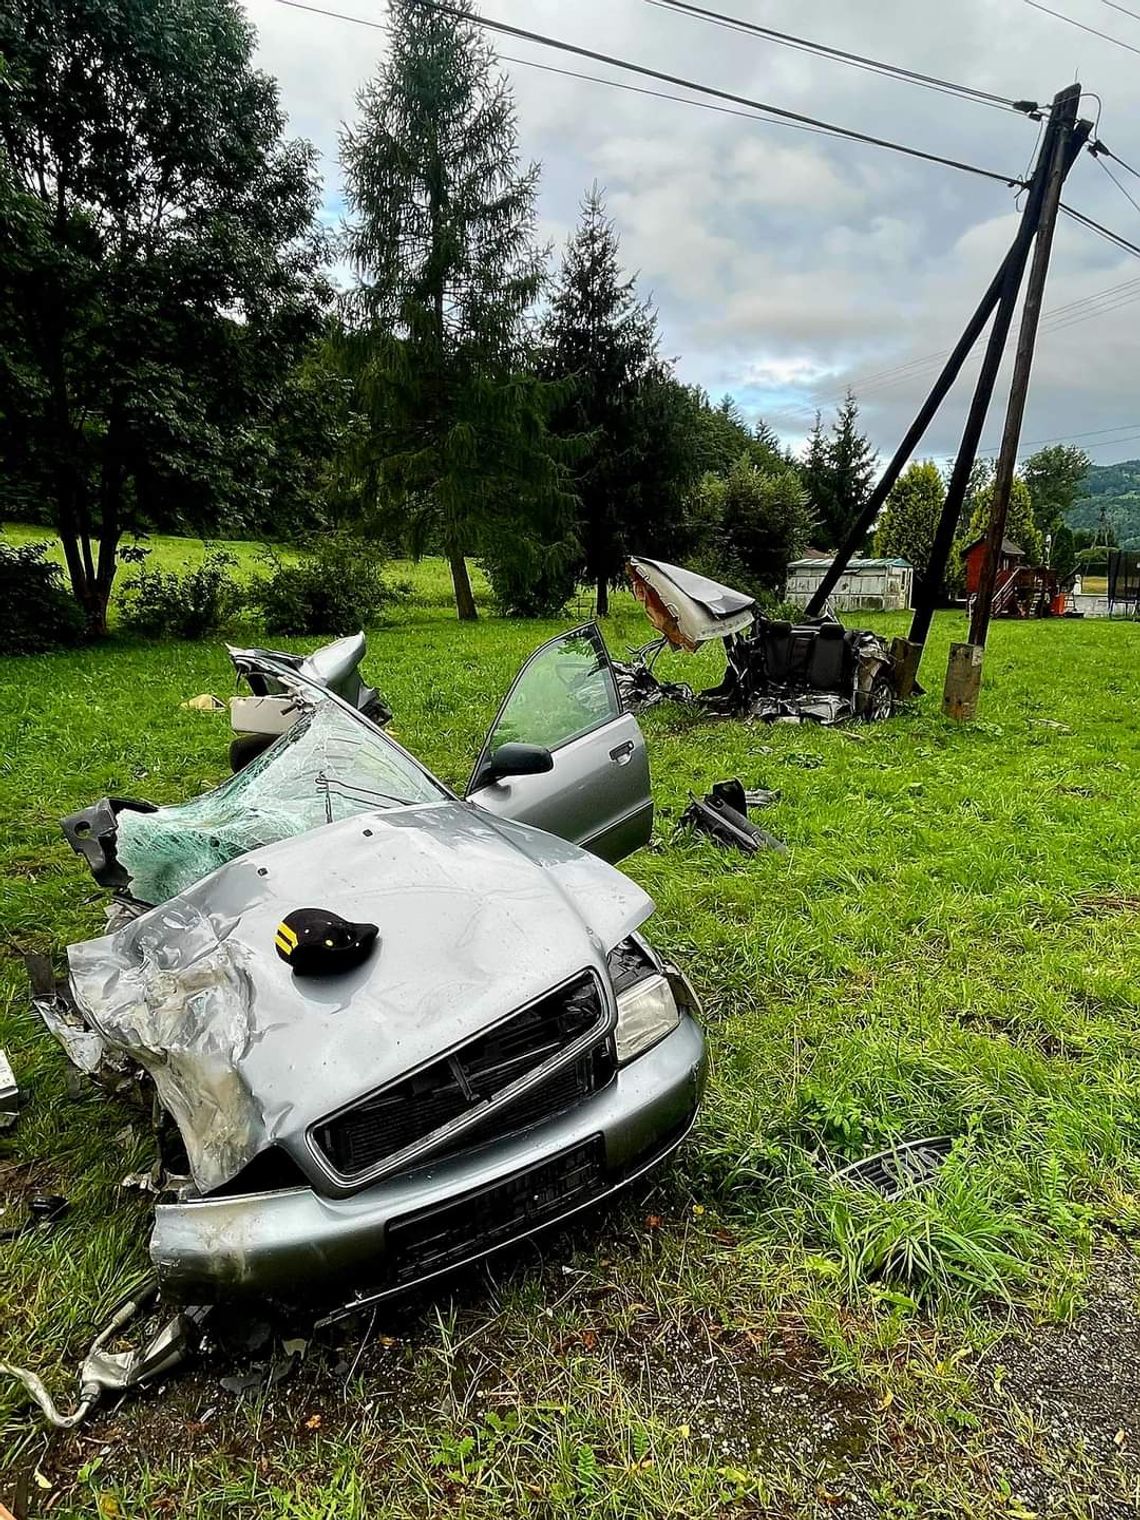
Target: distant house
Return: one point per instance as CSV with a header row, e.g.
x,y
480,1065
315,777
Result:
x,y
1012,557
881,585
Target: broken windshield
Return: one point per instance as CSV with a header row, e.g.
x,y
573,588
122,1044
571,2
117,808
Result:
x,y
328,766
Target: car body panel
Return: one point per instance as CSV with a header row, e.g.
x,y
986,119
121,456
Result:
x,y
484,920
246,1054
597,794
270,1241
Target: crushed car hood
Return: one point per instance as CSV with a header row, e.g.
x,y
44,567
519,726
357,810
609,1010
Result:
x,y
476,916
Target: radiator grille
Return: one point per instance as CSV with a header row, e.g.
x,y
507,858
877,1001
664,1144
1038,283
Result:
x,y
410,1111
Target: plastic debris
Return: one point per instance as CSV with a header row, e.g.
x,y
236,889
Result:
x,y
9,1093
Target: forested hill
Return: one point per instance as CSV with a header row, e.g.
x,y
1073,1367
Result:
x,y
1116,488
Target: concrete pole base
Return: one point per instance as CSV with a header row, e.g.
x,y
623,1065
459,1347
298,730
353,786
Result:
x,y
963,681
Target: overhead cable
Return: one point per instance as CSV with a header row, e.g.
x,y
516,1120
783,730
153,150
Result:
x,y
840,55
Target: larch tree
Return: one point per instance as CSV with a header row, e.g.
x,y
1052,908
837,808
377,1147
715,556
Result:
x,y
601,338
441,239
159,269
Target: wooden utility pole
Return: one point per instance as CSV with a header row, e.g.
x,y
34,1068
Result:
x,y
938,393
964,670
929,588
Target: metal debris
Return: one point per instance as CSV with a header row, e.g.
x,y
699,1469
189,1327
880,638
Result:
x,y
105,1371
723,814
817,671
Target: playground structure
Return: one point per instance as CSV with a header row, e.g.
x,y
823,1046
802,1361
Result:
x,y
1020,590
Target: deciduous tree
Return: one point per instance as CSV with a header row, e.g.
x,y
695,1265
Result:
x,y
159,272
910,517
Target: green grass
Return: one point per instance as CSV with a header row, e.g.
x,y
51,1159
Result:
x,y
428,580
950,946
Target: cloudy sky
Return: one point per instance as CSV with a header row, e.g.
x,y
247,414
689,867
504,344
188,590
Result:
x,y
786,265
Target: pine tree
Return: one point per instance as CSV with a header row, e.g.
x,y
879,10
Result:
x,y
442,242
603,339
816,474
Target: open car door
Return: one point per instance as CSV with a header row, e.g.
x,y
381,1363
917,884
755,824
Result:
x,y
586,777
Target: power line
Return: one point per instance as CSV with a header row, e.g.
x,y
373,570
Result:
x,y
1097,148
1101,231
1069,315
839,55
1125,192
1092,31
645,71
1130,428
1124,11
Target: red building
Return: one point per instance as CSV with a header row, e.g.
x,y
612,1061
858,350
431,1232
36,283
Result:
x,y
974,555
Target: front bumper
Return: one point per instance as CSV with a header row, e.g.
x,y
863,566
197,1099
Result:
x,y
410,1228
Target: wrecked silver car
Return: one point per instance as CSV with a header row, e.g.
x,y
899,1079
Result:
x,y
816,671
480,1043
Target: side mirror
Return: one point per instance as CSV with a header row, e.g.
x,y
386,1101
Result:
x,y
515,760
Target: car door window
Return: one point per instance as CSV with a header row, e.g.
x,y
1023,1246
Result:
x,y
565,690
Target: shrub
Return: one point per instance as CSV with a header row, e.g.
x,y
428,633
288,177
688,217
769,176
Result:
x,y
528,579
37,611
166,604
755,523
335,589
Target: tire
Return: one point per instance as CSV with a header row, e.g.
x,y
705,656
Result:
x,y
880,700
247,747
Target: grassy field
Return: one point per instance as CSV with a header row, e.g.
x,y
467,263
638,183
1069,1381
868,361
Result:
x,y
950,946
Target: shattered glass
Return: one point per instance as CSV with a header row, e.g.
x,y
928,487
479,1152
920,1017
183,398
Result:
x,y
328,766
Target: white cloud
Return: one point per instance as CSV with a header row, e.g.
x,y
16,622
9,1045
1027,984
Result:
x,y
787,265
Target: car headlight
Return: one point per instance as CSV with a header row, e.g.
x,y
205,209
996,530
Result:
x,y
647,1012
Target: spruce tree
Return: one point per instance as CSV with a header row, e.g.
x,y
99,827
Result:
x,y
603,339
838,470
441,238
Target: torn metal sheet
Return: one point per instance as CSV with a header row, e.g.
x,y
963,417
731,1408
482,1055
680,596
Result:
x,y
899,1169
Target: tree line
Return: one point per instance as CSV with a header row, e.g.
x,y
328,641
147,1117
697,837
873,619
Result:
x,y
1044,492
174,355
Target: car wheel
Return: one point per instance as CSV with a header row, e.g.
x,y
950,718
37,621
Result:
x,y
880,700
247,747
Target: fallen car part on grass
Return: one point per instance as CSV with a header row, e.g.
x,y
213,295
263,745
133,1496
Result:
x,y
9,1093
817,671
104,1371
900,1169
509,1052
723,814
